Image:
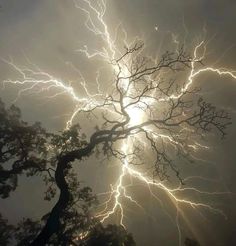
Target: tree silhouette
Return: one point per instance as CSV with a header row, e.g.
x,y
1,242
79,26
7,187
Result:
x,y
32,150
6,231
24,149
191,242
109,235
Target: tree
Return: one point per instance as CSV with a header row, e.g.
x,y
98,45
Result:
x,y
190,242
6,231
162,104
109,235
24,150
22,147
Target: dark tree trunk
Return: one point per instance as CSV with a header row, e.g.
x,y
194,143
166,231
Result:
x,y
53,222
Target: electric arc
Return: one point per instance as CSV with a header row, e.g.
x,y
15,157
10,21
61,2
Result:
x,y
143,107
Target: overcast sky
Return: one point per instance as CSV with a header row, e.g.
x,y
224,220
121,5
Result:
x,y
49,32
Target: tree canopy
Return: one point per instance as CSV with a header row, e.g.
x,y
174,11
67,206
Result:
x,y
24,150
31,150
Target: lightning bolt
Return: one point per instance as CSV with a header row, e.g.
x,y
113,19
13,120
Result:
x,y
36,81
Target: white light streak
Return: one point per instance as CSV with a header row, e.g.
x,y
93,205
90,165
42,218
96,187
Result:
x,y
38,81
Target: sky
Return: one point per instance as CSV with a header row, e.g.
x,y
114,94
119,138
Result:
x,y
49,34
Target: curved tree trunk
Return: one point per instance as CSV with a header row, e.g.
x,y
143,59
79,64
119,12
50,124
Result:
x,y
53,222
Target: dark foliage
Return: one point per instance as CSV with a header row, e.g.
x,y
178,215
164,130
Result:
x,y
191,242
22,148
29,149
6,231
109,235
